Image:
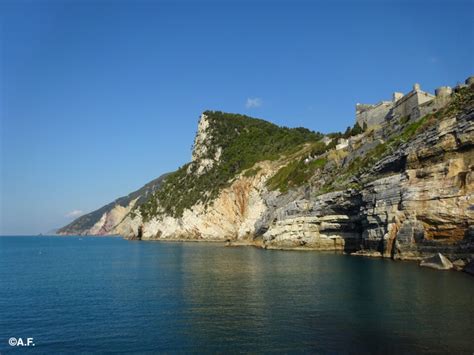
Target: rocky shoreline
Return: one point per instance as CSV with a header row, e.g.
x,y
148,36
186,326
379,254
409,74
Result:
x,y
437,261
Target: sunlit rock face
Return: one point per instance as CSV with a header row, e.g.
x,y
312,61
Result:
x,y
424,207
233,215
412,201
202,141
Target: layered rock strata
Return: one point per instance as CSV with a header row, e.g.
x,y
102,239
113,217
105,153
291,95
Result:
x,y
415,201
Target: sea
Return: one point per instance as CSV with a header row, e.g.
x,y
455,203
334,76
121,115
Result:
x,y
107,294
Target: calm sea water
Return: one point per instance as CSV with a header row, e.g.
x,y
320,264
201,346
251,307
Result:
x,y
113,295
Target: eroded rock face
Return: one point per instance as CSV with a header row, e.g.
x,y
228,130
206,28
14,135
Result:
x,y
201,140
418,202
421,203
104,220
414,202
201,160
233,215
326,222
109,220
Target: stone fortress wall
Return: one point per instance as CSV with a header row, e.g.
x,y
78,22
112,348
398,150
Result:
x,y
413,105
372,115
408,105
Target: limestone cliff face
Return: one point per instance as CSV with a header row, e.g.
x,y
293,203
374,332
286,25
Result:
x,y
104,220
413,198
201,160
110,219
430,203
420,201
233,215
326,222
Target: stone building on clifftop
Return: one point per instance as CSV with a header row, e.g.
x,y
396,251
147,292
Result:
x,y
411,106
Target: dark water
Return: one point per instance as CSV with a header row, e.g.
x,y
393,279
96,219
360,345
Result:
x,y
108,294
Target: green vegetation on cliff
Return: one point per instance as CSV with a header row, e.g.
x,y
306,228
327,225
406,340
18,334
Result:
x,y
296,173
231,144
244,141
345,175
463,99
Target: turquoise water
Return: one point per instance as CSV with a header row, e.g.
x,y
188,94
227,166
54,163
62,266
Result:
x,y
109,294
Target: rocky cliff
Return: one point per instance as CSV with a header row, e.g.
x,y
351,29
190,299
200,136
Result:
x,y
104,220
403,190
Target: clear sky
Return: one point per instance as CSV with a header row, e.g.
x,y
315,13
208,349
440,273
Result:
x,y
99,97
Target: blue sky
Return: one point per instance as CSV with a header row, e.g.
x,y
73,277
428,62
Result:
x,y
99,97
